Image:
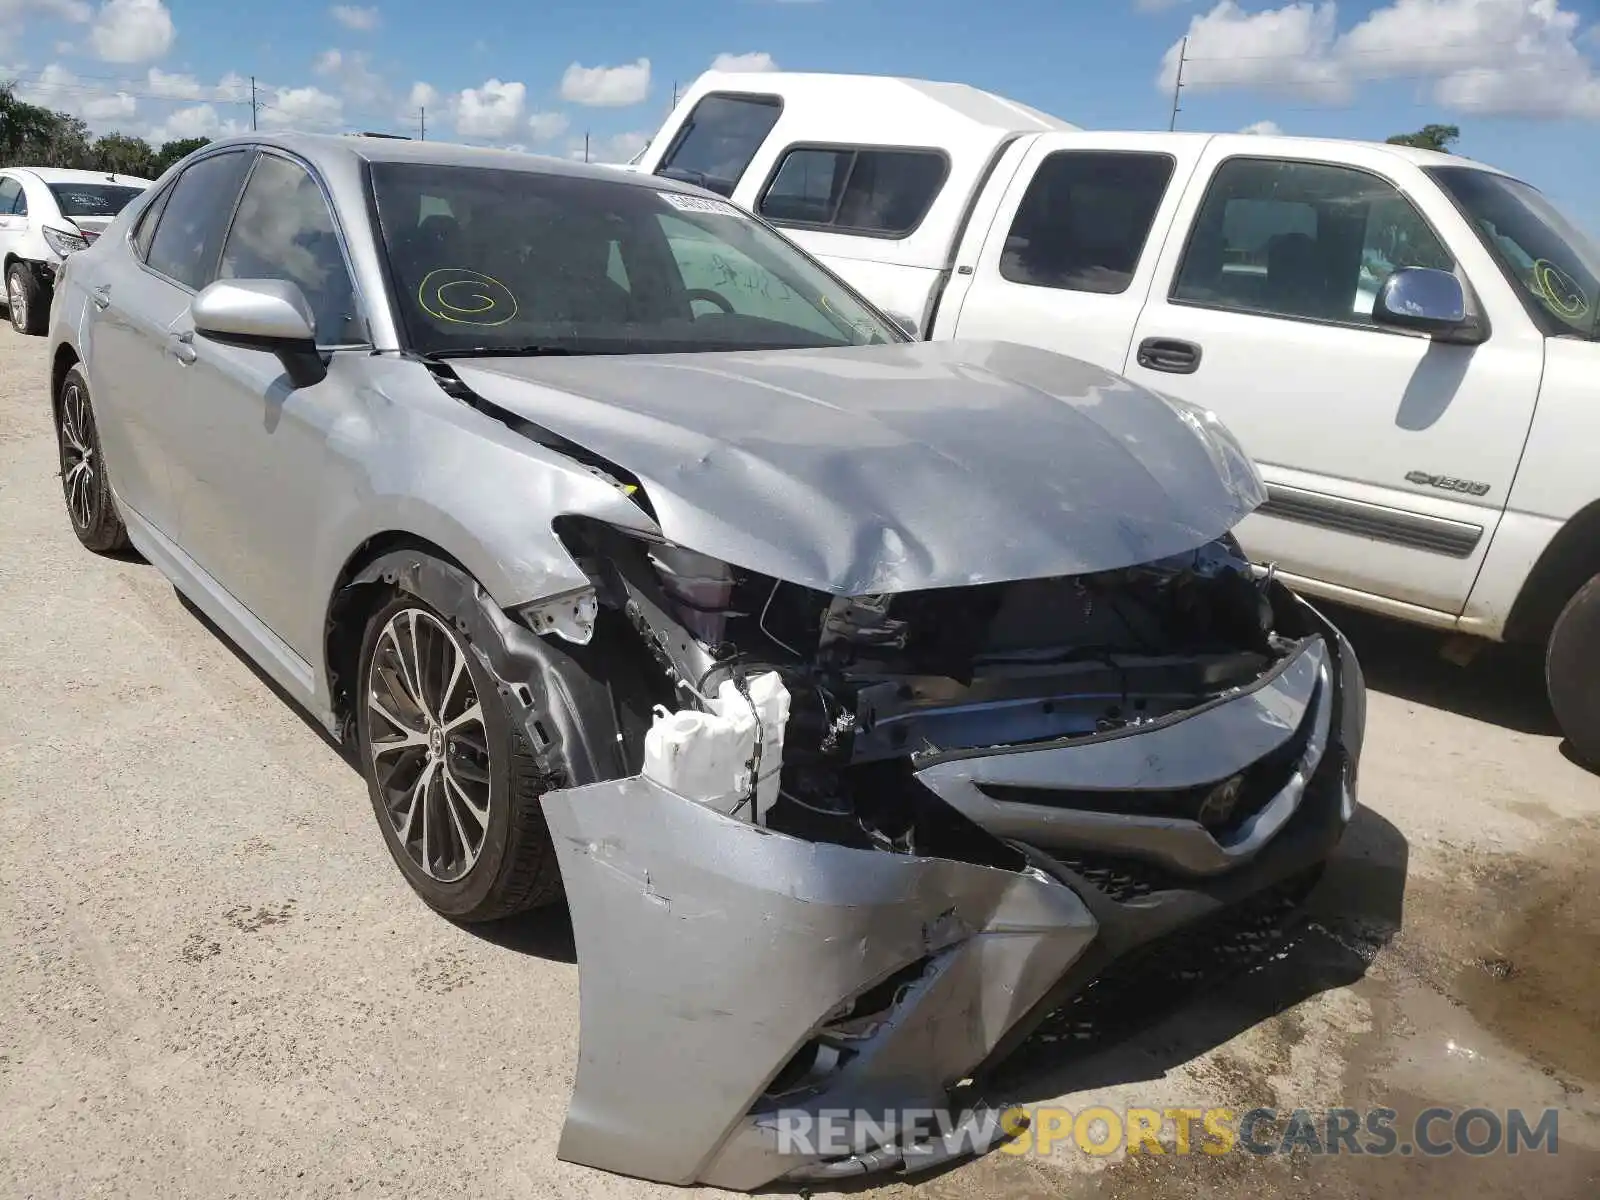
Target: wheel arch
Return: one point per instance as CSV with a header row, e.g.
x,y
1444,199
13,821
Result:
x,y
64,359
1570,560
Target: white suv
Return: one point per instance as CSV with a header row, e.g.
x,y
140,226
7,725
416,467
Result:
x,y
45,214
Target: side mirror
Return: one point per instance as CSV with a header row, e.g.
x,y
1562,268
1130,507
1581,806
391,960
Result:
x,y
262,314
907,324
1428,301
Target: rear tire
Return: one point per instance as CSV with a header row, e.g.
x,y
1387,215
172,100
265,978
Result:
x,y
453,782
1572,673
26,299
85,487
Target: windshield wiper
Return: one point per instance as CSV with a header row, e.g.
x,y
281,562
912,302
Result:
x,y
536,350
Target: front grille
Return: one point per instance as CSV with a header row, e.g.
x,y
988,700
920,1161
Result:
x,y
1121,879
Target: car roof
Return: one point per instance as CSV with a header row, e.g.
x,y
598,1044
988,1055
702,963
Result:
x,y
323,150
64,175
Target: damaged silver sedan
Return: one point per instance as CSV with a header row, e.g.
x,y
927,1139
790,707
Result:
x,y
866,698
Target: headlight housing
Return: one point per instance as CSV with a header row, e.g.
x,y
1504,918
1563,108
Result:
x,y
64,242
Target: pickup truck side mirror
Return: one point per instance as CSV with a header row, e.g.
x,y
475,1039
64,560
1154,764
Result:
x,y
1428,301
907,324
262,314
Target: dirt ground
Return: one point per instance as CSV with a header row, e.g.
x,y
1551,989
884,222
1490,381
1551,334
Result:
x,y
217,984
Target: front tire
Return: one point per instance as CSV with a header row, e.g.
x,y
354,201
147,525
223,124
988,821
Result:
x,y
84,484
1572,673
26,299
452,781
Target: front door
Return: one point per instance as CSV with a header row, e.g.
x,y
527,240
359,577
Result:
x,y
1388,456
257,458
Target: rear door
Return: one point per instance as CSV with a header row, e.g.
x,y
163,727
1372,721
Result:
x,y
12,226
142,339
1388,455
1068,260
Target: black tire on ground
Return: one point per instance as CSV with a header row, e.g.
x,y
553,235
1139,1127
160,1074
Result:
x,y
85,487
1572,673
34,309
515,866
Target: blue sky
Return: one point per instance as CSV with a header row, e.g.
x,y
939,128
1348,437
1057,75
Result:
x,y
1521,77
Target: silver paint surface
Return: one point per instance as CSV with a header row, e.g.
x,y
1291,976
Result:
x,y
894,468
712,949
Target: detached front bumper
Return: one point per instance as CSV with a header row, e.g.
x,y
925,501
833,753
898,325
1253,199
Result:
x,y
742,990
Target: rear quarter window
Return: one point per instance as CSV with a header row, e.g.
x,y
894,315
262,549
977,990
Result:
x,y
855,189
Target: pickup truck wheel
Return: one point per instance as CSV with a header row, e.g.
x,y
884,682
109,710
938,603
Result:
x,y
453,783
1572,673
26,299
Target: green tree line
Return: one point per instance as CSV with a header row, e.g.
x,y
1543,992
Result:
x,y
34,136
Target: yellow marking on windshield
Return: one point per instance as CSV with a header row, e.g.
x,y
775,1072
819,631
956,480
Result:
x,y
1559,290
486,301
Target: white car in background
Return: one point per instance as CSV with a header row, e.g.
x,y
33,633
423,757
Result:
x,y
46,213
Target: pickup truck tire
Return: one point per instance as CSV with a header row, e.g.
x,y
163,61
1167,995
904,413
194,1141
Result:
x,y
1572,673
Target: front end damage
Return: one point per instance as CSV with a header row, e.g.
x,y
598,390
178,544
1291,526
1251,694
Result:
x,y
987,795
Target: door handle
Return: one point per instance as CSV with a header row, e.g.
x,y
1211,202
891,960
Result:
x,y
101,297
1172,355
181,348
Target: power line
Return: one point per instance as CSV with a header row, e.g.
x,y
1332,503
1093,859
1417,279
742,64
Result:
x,y
1472,43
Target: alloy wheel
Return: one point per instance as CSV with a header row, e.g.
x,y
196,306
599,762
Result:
x,y
78,464
429,744
18,301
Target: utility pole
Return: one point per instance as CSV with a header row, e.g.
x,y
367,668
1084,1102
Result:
x,y
585,145
1177,86
674,93
252,103
422,113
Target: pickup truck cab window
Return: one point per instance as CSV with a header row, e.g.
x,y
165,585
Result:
x,y
878,192
1084,220
719,139
1553,265
1304,240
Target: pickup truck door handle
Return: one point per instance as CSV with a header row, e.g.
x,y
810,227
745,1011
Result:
x,y
1173,355
101,297
181,348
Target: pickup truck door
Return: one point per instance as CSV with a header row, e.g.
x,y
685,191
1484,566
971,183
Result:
x,y
1066,260
1388,456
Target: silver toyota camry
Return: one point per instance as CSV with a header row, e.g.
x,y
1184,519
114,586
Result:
x,y
866,698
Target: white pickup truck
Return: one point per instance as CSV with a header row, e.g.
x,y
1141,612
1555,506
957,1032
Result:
x,y
1405,341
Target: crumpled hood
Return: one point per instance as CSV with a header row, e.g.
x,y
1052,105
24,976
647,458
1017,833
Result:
x,y
897,467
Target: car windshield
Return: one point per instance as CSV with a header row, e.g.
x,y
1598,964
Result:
x,y
1553,262
92,199
490,261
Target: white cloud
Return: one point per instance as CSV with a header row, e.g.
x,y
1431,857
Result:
x,y
130,31
76,11
543,126
1264,128
423,95
490,111
302,107
362,20
357,82
171,85
58,88
195,120
756,60
1505,57
614,149
606,87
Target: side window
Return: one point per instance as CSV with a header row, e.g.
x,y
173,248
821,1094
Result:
x,y
1084,220
285,231
145,232
1300,239
20,208
189,232
9,190
719,139
879,192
